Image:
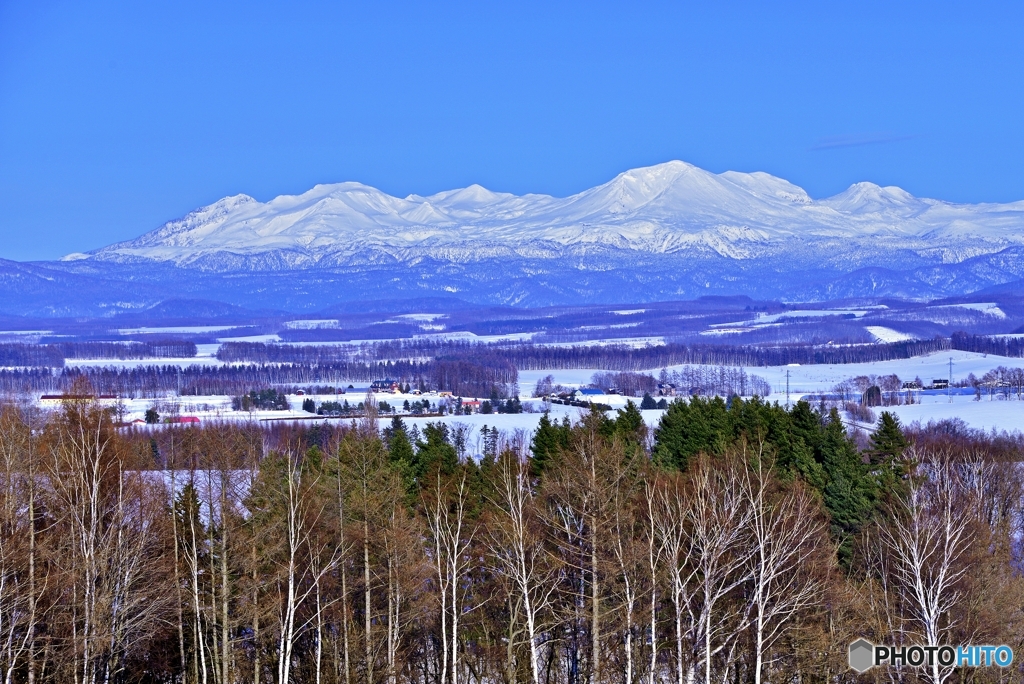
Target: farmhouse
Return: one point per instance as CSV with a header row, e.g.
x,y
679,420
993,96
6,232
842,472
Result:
x,y
391,386
586,394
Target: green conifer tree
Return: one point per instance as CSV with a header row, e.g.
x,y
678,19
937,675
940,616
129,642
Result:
x,y
888,446
400,452
850,492
434,450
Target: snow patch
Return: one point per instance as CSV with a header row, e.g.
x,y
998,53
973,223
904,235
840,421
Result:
x,y
883,334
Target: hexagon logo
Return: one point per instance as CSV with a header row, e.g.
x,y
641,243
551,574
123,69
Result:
x,y
862,655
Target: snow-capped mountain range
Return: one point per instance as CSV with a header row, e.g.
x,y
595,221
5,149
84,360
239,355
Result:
x,y
661,232
671,208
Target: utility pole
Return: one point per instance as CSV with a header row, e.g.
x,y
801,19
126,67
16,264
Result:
x,y
787,388
949,387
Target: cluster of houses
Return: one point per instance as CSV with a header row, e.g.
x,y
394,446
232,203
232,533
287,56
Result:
x,y
394,387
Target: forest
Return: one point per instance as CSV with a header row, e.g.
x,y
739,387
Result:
x,y
738,541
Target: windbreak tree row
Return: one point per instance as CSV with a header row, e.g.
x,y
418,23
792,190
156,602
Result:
x,y
480,377
739,542
527,356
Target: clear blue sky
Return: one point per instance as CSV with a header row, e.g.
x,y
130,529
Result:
x,y
118,116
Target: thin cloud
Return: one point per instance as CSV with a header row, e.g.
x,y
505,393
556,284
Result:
x,y
859,139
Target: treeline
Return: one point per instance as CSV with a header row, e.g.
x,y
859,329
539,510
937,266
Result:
x,y
262,353
749,543
30,355
721,381
614,357
170,348
981,344
465,377
526,356
53,355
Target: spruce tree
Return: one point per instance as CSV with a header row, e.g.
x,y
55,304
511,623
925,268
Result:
x,y
435,451
547,440
630,426
850,491
888,445
689,428
400,452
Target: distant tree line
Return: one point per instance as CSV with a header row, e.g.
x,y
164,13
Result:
x,y
53,355
982,344
30,355
265,400
526,356
721,381
465,377
170,348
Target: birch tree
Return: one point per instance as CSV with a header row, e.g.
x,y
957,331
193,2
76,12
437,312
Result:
x,y
517,547
718,517
787,533
451,534
929,538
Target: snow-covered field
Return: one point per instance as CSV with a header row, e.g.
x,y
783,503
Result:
x,y
803,380
985,414
883,334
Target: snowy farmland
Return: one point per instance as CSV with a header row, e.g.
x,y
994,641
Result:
x,y
989,413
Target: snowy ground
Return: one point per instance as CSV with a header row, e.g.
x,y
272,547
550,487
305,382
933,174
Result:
x,y
819,378
986,414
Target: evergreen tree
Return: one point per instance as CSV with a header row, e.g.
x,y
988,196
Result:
x,y
850,492
434,450
630,427
400,452
648,402
689,428
547,440
888,441
490,438
888,444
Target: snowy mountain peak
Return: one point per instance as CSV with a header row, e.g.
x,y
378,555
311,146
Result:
x,y
863,198
473,196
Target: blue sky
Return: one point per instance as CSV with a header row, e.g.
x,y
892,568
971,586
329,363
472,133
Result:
x,y
118,116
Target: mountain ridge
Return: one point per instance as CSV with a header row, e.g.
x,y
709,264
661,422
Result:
x,y
664,208
671,230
